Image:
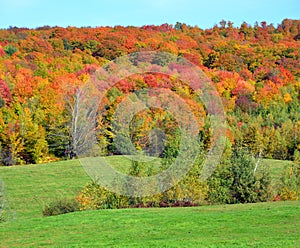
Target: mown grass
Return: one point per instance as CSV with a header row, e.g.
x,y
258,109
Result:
x,y
250,225
29,188
277,167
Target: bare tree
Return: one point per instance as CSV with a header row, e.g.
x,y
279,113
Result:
x,y
76,133
82,125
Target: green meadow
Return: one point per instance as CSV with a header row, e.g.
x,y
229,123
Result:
x,y
29,188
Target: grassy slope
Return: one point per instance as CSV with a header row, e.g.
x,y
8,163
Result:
x,y
250,225
30,187
276,168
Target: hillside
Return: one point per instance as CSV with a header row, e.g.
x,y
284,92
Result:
x,y
255,70
30,188
69,93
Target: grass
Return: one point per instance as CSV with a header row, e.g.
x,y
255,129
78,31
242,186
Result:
x,y
37,185
29,188
123,163
276,168
250,225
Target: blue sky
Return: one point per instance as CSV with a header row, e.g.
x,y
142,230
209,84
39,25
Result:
x,y
35,13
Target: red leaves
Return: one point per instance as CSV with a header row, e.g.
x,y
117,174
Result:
x,y
5,93
2,53
150,80
243,88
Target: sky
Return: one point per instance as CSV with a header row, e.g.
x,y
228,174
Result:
x,y
204,14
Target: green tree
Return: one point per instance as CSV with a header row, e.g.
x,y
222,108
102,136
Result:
x,y
290,183
10,49
221,180
249,184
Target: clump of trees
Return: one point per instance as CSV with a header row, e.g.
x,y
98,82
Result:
x,y
254,68
238,179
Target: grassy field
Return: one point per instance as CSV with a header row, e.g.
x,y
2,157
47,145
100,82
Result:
x,y
250,225
36,185
276,168
29,188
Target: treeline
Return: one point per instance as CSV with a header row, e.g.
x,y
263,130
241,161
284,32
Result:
x,y
42,71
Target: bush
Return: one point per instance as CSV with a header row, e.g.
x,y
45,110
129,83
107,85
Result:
x,y
239,180
61,206
93,197
221,180
290,183
190,191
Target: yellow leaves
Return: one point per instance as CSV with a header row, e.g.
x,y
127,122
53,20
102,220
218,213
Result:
x,y
84,77
267,93
49,159
168,47
16,145
239,46
22,137
289,195
16,142
198,112
140,44
40,150
229,105
287,98
1,122
84,201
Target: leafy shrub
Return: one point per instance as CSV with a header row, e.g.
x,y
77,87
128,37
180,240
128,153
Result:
x,y
290,183
61,206
237,179
188,192
93,196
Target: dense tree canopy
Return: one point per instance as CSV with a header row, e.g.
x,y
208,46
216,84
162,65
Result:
x,y
255,69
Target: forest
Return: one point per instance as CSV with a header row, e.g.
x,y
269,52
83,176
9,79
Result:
x,y
255,69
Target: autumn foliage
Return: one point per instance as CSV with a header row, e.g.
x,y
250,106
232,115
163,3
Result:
x,y
255,69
